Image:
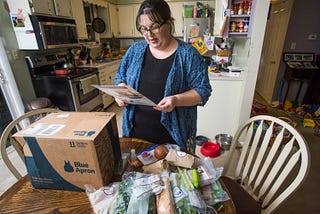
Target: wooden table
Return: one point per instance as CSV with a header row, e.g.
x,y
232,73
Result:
x,y
23,198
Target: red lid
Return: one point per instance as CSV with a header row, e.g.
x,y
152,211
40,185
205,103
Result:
x,y
210,149
61,72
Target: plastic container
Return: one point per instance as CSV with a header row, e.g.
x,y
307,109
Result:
x,y
210,149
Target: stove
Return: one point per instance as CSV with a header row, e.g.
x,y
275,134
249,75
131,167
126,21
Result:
x,y
69,92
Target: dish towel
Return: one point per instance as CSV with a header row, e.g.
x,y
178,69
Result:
x,y
86,83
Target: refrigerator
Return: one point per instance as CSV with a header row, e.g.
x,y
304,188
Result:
x,y
11,105
196,27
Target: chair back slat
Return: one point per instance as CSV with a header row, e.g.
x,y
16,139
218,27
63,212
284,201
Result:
x,y
259,159
285,172
251,152
245,147
279,162
269,158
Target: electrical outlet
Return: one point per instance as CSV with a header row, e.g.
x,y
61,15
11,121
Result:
x,y
293,46
312,36
14,54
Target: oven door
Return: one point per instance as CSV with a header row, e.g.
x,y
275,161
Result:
x,y
86,97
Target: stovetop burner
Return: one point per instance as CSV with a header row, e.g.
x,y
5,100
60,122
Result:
x,y
71,73
46,65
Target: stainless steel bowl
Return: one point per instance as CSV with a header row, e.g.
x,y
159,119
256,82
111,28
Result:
x,y
224,140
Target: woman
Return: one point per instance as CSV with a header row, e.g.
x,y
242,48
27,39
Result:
x,y
169,72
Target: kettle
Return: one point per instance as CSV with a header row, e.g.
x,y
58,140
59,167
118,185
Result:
x,y
67,66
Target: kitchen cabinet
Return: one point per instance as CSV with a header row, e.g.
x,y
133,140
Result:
x,y
79,17
239,18
127,20
52,7
107,73
177,13
103,13
220,115
113,14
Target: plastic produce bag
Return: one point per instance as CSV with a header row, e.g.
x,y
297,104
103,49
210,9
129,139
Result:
x,y
101,200
120,205
143,188
192,202
208,173
214,193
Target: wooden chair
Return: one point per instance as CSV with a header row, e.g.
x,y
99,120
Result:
x,y
270,168
15,126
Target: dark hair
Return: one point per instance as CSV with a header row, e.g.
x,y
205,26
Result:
x,y
158,11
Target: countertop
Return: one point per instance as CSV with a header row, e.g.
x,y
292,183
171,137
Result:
x,y
223,76
100,65
227,76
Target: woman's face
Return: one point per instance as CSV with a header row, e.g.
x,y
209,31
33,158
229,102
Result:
x,y
155,34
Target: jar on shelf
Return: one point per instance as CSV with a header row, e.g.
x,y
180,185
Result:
x,y
245,6
233,26
246,25
232,9
240,26
240,10
249,8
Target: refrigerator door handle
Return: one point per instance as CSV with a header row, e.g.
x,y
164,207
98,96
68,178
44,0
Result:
x,y
2,77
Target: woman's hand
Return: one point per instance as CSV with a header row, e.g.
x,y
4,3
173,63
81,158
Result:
x,y
188,98
167,104
120,102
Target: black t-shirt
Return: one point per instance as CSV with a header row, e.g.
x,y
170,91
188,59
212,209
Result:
x,y
153,79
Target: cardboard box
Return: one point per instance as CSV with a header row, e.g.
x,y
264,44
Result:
x,y
67,150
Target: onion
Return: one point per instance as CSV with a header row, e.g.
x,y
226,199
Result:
x,y
160,152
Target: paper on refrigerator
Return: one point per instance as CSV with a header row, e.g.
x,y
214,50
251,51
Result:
x,y
126,93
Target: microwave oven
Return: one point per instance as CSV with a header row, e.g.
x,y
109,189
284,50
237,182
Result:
x,y
38,32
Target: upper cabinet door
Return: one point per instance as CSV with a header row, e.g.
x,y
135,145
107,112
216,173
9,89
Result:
x,y
63,8
79,17
113,20
53,7
177,13
103,13
43,7
126,21
135,12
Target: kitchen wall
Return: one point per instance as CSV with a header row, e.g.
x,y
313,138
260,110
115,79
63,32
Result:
x,y
305,20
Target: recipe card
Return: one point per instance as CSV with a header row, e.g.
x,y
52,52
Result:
x,y
125,93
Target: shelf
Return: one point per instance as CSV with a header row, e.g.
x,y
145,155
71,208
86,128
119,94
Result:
x,y
234,20
240,16
238,33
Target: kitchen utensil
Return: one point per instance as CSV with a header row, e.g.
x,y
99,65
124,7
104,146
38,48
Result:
x,y
98,25
201,139
224,141
210,149
62,71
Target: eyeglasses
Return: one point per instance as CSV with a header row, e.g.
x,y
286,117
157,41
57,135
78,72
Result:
x,y
154,29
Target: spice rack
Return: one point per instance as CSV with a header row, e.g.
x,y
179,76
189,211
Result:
x,y
239,18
